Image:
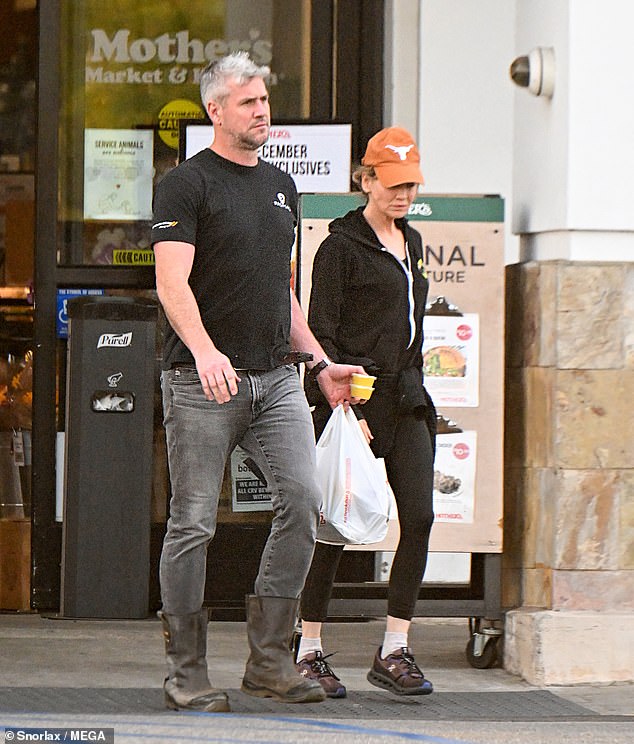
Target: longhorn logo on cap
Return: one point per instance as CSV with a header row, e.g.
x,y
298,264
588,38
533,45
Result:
x,y
400,151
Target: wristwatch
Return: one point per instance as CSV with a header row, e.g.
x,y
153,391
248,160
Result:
x,y
319,367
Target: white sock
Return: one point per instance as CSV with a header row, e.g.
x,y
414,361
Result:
x,y
308,646
393,642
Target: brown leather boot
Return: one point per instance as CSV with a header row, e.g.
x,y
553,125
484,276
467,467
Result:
x,y
270,670
187,685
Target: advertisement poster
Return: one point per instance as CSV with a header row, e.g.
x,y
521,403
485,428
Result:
x,y
118,172
316,156
451,359
463,254
454,477
249,490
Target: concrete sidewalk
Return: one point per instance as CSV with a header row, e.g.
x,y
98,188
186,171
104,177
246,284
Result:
x,y
59,673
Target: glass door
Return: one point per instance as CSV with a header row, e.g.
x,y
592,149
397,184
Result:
x,y
114,82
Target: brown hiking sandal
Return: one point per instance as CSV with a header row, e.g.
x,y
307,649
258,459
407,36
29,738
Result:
x,y
399,674
314,666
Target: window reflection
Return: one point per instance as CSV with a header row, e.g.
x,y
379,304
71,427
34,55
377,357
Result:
x,y
130,74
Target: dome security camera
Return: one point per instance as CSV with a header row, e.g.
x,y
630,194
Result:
x,y
535,71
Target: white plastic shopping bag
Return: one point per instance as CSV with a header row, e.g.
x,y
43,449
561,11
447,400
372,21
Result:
x,y
355,493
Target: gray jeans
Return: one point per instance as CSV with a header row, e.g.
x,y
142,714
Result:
x,y
269,418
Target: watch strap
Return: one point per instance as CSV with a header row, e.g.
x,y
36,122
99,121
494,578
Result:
x,y
319,367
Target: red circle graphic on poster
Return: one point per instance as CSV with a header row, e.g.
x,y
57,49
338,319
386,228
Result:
x,y
461,450
464,332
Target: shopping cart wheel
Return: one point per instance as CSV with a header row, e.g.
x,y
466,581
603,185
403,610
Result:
x,y
482,651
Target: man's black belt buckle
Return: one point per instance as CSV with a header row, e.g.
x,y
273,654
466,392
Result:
x,y
297,357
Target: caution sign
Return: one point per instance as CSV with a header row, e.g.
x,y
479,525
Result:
x,y
169,119
143,257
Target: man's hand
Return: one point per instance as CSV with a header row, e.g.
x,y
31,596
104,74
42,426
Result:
x,y
334,381
217,376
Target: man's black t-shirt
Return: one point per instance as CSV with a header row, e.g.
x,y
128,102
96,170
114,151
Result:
x,y
241,221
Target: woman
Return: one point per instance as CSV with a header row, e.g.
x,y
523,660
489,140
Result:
x,y
369,289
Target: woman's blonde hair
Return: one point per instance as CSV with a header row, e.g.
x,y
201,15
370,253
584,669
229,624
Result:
x,y
357,176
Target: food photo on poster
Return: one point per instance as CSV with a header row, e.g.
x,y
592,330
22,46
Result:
x,y
451,362
454,477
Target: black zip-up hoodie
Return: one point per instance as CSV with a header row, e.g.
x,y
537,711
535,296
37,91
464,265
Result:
x,y
366,305
367,308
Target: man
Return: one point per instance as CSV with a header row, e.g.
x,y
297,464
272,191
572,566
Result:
x,y
223,232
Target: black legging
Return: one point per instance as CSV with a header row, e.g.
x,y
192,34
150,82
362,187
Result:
x,y
410,470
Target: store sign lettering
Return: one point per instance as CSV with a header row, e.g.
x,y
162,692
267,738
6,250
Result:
x,y
129,76
449,265
114,340
172,48
422,209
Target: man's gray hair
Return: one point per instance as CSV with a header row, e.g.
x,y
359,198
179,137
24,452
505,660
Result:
x,y
238,66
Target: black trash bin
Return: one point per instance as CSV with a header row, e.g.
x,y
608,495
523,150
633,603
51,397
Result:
x,y
108,460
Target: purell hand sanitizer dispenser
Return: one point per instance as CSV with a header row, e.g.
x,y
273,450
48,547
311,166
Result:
x,y
110,382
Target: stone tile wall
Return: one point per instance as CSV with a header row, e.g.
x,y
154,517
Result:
x,y
569,443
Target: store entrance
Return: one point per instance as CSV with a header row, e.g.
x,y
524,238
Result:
x,y
18,54
106,71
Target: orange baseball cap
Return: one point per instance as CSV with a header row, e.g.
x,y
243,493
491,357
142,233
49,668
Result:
x,y
394,156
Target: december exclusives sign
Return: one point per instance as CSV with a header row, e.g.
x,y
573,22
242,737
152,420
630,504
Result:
x,y
317,156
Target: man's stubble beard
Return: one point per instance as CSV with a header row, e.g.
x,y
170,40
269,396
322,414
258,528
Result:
x,y
250,142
